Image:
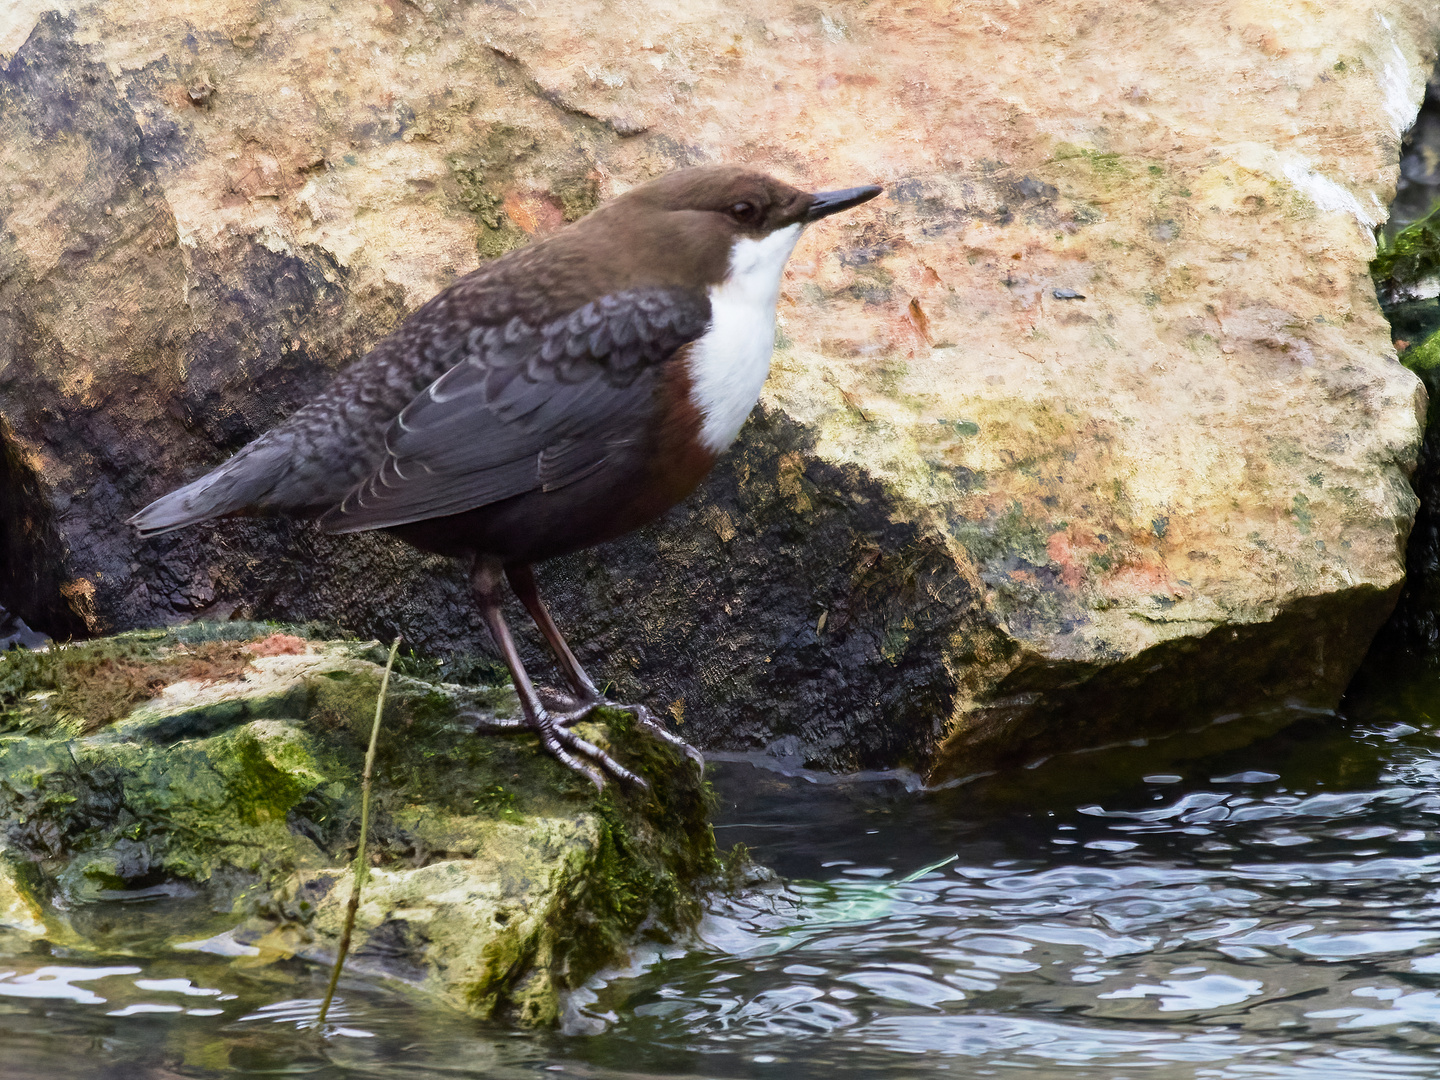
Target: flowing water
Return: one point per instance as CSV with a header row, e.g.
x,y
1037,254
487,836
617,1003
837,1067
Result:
x,y
1271,911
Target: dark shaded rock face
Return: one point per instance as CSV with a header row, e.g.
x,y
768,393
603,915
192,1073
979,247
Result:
x,y
202,351
1055,422
177,356
1406,269
1415,625
784,601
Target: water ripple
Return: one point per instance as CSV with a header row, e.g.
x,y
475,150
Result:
x,y
1255,921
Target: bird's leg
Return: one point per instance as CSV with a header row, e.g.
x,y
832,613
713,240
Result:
x,y
564,744
522,580
587,694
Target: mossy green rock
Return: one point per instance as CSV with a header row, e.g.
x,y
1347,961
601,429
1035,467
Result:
x,y
499,878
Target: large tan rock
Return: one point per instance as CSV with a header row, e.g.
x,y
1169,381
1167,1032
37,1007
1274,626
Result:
x,y
1091,430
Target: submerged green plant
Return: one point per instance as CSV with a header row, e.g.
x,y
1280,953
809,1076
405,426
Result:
x,y
362,866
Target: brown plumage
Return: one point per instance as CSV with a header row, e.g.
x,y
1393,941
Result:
x,y
555,398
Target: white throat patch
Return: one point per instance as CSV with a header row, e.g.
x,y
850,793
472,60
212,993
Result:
x,y
728,365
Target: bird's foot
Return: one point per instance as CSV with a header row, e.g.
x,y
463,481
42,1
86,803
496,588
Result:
x,y
563,744
645,719
571,710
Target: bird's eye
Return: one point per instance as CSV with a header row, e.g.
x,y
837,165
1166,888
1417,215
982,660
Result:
x,y
744,212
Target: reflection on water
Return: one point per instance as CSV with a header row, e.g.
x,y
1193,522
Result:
x,y
1266,912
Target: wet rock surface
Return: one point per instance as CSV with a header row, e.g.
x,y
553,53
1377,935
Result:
x,y
1100,394
199,789
14,634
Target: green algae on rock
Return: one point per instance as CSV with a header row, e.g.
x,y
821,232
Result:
x,y
500,879
1406,262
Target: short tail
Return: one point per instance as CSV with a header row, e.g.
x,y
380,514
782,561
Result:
x,y
241,484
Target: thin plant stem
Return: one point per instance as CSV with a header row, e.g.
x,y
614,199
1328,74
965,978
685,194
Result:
x,y
362,864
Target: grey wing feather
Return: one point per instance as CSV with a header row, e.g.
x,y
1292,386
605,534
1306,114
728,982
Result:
x,y
572,460
526,409
308,463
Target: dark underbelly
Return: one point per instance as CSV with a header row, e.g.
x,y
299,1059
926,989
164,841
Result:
x,y
541,525
637,483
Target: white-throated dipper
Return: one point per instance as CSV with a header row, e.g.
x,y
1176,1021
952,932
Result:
x,y
555,398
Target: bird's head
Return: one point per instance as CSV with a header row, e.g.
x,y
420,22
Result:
x,y
700,226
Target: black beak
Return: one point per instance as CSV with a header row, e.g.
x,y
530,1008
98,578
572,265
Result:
x,y
832,202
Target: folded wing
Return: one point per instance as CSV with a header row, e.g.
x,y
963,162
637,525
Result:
x,y
526,408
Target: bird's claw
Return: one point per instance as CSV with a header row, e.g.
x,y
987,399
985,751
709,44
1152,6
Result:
x,y
560,712
571,710
564,745
646,719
